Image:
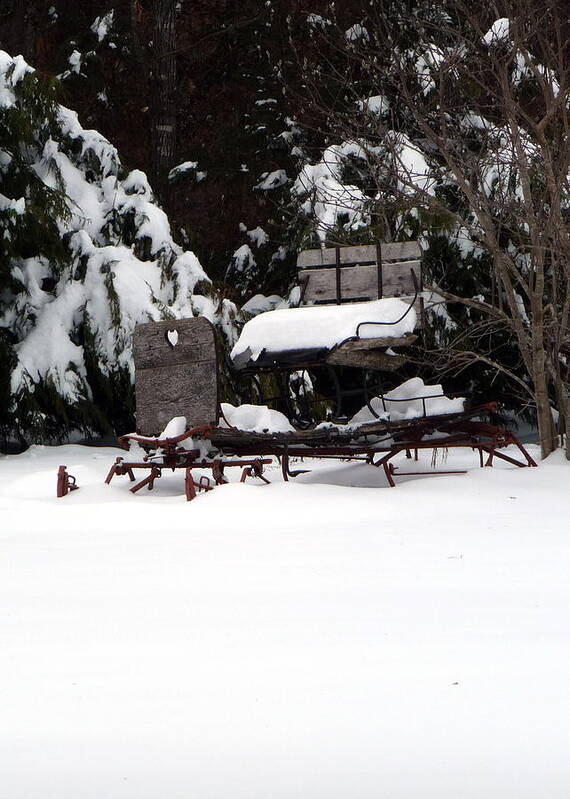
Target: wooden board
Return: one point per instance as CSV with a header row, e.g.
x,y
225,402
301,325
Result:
x,y
377,343
179,380
370,353
366,359
364,254
359,282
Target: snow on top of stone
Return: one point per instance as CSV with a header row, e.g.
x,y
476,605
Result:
x,y
323,326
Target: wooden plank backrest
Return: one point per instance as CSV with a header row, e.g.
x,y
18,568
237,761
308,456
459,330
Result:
x,y
349,274
363,254
175,374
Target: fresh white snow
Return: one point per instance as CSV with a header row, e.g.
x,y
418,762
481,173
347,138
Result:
x,y
255,418
498,33
259,303
323,326
174,428
404,402
181,169
103,24
356,32
310,639
376,105
326,197
272,180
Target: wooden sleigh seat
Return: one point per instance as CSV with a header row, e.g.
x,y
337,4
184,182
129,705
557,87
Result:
x,y
358,277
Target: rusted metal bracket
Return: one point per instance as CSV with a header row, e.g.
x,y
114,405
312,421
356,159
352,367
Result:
x,y
155,473
255,469
65,482
287,473
394,471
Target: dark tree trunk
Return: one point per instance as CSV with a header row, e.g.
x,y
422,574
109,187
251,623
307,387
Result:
x,y
135,13
163,107
17,35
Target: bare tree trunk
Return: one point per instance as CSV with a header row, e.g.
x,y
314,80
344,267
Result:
x,y
563,404
567,428
163,108
546,430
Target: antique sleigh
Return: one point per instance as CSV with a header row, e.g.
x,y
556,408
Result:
x,y
359,304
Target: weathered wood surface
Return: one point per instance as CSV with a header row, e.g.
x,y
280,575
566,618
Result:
x,y
364,254
366,359
370,353
237,441
179,380
348,354
360,282
227,438
378,343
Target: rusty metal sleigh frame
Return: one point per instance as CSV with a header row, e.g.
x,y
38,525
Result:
x,y
376,443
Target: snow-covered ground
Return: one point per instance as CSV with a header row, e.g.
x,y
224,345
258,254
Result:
x,y
311,639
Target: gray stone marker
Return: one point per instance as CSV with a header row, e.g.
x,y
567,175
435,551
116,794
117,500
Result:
x,y
175,374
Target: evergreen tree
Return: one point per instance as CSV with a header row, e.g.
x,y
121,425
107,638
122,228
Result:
x,y
85,255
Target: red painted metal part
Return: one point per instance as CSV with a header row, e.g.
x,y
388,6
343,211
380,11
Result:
x,y
255,469
187,460
165,444
65,482
475,435
395,471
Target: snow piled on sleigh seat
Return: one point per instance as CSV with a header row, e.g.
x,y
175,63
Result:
x,y
324,326
405,402
254,419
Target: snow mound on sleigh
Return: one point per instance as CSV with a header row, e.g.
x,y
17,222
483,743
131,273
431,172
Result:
x,y
322,327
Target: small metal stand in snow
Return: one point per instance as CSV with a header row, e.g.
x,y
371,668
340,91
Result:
x,y
172,457
65,482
